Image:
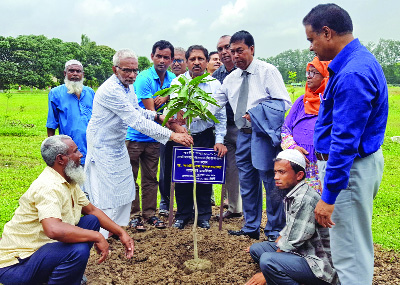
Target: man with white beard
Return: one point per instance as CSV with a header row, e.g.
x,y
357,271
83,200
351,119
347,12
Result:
x,y
48,241
70,106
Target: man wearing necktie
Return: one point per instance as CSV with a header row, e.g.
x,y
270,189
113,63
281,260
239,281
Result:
x,y
252,83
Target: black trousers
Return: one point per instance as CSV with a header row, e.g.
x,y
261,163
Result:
x,y
184,191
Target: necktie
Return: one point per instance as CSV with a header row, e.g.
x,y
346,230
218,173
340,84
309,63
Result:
x,y
241,107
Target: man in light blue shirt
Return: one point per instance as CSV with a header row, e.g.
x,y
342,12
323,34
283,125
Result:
x,y
70,107
143,149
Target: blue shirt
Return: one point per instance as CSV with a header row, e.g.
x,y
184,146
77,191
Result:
x,y
352,116
71,115
146,84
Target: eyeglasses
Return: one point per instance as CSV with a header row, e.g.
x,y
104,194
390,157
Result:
x,y
311,74
220,49
74,70
180,61
128,70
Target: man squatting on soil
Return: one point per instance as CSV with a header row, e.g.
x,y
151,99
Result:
x,y
47,240
301,254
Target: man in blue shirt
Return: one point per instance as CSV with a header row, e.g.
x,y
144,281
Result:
x,y
348,137
142,148
70,107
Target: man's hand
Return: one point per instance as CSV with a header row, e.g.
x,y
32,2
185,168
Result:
x,y
181,138
102,249
128,243
175,127
247,117
222,150
323,213
158,101
303,152
257,279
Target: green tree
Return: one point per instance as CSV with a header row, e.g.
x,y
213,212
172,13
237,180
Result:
x,y
291,60
144,63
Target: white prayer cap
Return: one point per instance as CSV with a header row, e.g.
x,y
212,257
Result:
x,y
294,156
71,62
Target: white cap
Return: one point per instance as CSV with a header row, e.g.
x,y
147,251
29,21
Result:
x,y
72,62
294,156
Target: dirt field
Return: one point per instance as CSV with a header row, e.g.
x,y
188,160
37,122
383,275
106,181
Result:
x,y
160,254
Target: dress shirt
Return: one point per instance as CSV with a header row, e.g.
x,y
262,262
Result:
x,y
115,107
146,84
353,115
265,82
198,126
71,115
303,236
49,196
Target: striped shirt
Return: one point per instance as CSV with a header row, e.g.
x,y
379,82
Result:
x,y
303,236
265,82
109,179
199,126
49,196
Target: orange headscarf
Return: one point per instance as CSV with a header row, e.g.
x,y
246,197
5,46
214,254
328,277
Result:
x,y
311,99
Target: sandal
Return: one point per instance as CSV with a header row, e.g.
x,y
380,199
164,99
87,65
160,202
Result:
x,y
137,224
156,222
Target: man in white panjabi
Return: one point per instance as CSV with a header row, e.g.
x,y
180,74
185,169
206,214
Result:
x,y
110,184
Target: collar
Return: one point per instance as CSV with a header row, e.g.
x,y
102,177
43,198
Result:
x,y
116,79
252,67
340,59
57,176
292,192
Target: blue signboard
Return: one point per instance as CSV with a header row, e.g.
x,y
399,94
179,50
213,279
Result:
x,y
210,169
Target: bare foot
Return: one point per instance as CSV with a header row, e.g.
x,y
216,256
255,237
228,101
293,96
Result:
x,y
247,249
257,279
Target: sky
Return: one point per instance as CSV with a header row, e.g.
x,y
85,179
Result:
x,y
276,25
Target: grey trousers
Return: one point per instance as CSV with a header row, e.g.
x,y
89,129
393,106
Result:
x,y
232,174
351,236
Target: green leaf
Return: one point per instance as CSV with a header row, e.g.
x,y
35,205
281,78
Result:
x,y
167,91
197,80
183,80
212,117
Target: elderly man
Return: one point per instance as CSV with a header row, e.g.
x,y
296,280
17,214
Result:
x,y
110,182
301,254
203,136
255,87
70,106
179,64
143,149
213,62
47,241
232,174
348,137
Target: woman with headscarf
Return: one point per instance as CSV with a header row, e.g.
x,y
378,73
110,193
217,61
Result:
x,y
298,129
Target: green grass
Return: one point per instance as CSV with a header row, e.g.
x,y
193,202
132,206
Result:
x,y
22,129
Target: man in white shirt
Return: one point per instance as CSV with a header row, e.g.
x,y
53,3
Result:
x,y
203,136
110,184
252,83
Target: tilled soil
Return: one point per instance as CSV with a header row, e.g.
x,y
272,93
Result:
x,y
160,254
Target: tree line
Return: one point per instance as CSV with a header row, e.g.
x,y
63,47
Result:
x,y
387,53
38,61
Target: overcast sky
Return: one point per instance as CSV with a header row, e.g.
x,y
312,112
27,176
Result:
x,y
276,25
